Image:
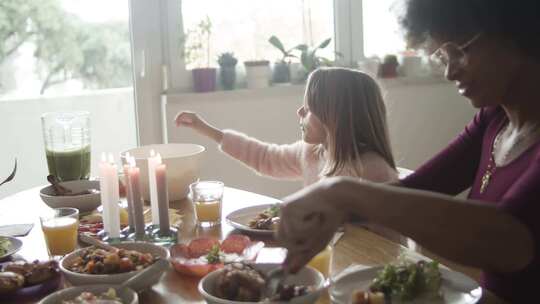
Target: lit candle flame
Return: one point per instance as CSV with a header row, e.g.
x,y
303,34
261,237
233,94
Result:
x,y
152,153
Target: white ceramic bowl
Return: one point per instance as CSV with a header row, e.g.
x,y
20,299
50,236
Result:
x,y
306,276
182,161
113,279
127,295
85,202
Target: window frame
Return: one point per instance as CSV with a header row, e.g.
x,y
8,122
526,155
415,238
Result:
x,y
158,70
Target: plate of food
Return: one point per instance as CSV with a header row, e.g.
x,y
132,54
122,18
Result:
x,y
238,283
262,219
105,294
92,224
23,280
204,255
9,246
405,282
94,265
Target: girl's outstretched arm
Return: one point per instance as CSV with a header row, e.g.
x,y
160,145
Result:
x,y
194,121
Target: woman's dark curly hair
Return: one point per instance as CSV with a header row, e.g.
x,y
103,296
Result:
x,y
515,20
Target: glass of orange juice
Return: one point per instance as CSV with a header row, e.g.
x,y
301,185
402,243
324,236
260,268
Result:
x,y
322,261
207,197
60,230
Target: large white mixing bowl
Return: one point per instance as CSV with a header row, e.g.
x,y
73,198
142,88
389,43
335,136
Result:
x,y
182,162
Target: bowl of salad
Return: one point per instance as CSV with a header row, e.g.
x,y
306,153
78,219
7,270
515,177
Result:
x,y
94,265
111,294
9,246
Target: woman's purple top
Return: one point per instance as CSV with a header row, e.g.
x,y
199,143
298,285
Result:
x,y
514,188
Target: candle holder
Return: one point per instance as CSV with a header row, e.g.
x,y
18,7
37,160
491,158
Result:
x,y
104,237
164,238
127,231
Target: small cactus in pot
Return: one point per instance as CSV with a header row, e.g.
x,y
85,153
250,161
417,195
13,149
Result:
x,y
227,63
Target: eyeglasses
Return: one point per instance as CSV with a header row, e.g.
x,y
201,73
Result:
x,y
451,53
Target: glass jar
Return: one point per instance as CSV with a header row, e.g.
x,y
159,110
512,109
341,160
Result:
x,y
67,144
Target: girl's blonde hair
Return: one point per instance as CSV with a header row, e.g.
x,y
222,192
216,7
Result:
x,y
350,105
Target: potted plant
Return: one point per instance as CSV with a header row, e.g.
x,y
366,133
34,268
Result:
x,y
257,73
282,71
388,68
197,51
309,58
227,67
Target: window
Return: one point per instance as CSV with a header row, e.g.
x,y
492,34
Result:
x,y
63,55
244,27
381,28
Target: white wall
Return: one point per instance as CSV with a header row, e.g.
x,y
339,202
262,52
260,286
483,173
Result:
x,y
112,130
423,117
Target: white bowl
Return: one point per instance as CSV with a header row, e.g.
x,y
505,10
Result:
x,y
127,295
84,202
114,279
182,161
306,276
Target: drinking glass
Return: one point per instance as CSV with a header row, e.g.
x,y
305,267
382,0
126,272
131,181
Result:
x,y
60,230
67,144
207,199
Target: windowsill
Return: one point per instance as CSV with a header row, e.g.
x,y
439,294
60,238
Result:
x,y
280,89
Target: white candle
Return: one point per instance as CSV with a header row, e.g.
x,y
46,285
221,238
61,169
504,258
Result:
x,y
110,196
153,161
103,187
135,186
163,198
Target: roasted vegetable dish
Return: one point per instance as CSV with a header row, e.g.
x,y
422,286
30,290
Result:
x,y
98,261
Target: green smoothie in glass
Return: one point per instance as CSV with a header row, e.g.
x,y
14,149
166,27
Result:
x,y
69,165
67,144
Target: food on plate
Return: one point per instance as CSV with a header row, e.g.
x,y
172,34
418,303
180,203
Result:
x,y
366,297
242,282
204,255
94,260
34,273
266,220
10,282
404,281
4,245
108,297
92,224
19,274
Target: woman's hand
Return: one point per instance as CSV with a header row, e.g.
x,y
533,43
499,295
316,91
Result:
x,y
194,121
309,218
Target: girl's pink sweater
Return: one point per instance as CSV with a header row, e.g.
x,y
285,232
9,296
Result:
x,y
298,160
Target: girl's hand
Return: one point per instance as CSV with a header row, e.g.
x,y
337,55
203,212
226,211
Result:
x,y
194,121
188,119
308,220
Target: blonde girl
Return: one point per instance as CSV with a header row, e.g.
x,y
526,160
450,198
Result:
x,y
344,133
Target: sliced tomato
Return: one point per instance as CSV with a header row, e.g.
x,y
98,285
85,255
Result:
x,y
235,243
200,247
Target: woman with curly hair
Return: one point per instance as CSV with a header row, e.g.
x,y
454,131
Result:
x,y
491,51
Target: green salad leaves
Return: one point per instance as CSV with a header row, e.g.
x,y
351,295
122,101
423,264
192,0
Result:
x,y
408,280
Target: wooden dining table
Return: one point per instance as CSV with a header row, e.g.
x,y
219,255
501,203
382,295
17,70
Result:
x,y
357,246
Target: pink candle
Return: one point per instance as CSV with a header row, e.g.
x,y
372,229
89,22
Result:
x,y
163,198
153,161
129,196
135,185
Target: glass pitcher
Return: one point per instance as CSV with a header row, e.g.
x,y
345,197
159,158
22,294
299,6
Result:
x,y
67,144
